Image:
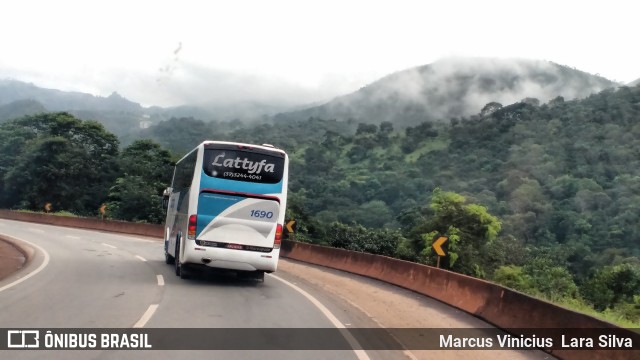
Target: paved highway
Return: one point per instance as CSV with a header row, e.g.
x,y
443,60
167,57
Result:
x,y
89,279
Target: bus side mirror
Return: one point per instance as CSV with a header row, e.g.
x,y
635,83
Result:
x,y
165,197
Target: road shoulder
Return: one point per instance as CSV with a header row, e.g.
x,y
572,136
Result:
x,y
393,307
12,257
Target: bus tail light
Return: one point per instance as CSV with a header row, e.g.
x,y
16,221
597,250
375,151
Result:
x,y
191,230
278,240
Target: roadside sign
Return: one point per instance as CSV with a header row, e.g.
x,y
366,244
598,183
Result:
x,y
291,226
437,245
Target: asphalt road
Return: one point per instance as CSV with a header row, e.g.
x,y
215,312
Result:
x,y
88,279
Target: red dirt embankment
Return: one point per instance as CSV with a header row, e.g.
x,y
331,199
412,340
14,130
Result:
x,y
12,259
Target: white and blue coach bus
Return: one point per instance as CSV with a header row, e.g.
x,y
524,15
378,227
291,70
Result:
x,y
226,208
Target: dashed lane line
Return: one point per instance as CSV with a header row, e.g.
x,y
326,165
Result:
x,y
146,316
360,354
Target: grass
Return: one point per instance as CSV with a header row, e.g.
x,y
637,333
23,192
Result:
x,y
438,143
57,213
609,315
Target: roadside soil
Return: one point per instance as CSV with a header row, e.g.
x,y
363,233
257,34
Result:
x,y
11,259
393,307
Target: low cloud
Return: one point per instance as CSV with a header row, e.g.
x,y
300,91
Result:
x,y
182,83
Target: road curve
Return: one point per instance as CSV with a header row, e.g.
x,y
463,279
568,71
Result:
x,y
88,279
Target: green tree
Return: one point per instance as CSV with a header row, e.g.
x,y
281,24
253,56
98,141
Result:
x,y
149,160
469,227
146,170
549,280
513,277
134,198
59,159
612,285
358,238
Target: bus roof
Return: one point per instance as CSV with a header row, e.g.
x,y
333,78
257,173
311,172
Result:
x,y
263,146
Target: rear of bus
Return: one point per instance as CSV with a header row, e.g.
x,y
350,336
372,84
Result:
x,y
240,208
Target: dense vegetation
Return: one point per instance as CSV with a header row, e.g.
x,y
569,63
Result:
x,y
542,198
76,166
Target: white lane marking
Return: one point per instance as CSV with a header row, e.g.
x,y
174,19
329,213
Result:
x,y
124,237
160,280
361,354
146,316
39,231
42,266
406,352
108,245
72,237
141,258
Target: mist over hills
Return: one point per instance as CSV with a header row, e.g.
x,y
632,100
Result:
x,y
57,100
19,108
446,89
118,114
456,87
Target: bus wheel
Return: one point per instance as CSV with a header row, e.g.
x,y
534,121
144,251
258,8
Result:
x,y
253,275
179,268
168,259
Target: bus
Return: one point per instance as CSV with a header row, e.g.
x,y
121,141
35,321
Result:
x,y
226,209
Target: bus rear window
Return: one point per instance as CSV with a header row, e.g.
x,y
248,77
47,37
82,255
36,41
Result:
x,y
240,165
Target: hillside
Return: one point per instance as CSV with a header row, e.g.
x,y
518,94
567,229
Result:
x,y
116,113
562,177
20,108
57,100
454,88
540,197
119,115
440,91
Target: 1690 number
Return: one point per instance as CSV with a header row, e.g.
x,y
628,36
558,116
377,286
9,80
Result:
x,y
262,214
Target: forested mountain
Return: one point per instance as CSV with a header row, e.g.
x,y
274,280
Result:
x,y
20,108
563,174
452,88
443,90
119,115
561,178
544,198
56,100
116,113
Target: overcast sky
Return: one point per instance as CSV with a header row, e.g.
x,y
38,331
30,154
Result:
x,y
173,52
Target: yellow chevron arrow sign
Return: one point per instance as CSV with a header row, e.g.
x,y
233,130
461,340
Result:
x,y
437,245
290,226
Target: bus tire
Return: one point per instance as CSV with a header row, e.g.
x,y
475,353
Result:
x,y
252,275
168,259
178,265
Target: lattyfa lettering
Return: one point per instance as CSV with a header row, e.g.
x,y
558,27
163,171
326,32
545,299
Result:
x,y
252,167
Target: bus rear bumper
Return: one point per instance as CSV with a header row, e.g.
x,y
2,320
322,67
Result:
x,y
239,260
